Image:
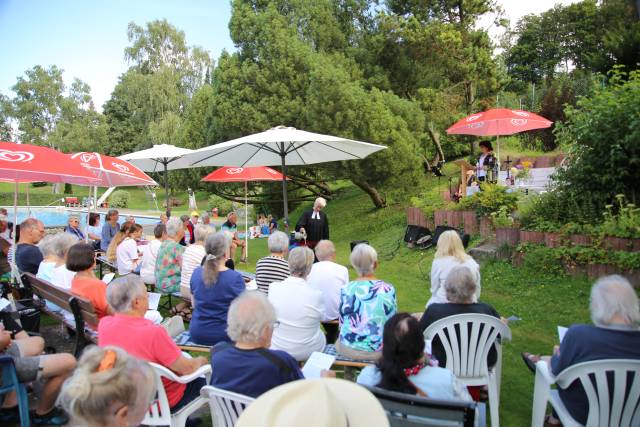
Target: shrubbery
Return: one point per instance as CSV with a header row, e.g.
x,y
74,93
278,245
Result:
x,y
119,199
224,206
491,199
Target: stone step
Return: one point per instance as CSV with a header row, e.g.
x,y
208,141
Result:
x,y
485,251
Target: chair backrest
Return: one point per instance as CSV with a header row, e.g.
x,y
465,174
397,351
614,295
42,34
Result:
x,y
612,387
159,413
63,299
225,406
8,377
467,340
408,410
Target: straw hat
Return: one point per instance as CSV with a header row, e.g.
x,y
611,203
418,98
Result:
x,y
324,402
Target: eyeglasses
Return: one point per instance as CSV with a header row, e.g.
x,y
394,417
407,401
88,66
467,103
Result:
x,y
276,324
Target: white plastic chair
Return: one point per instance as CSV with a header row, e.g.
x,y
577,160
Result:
x,y
607,407
467,340
225,406
159,413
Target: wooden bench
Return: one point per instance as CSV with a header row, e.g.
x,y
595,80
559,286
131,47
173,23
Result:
x,y
80,308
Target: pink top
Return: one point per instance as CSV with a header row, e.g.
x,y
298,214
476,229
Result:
x,y
145,340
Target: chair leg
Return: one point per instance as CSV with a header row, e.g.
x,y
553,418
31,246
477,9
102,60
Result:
x,y
23,406
494,402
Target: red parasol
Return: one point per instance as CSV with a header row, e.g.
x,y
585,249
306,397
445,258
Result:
x,y
236,174
111,171
499,121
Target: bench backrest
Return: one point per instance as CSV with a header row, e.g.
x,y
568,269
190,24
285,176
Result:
x,y
404,410
62,298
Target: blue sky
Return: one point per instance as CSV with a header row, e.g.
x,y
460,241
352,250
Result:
x,y
87,38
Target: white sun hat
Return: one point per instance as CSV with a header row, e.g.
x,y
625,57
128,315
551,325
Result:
x,y
324,402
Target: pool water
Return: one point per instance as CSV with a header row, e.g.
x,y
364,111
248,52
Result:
x,y
58,216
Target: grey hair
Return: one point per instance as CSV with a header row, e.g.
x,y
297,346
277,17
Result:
x,y
363,258
320,202
204,216
216,246
61,244
278,242
324,250
110,214
460,285
174,225
46,245
249,316
122,291
201,231
73,216
300,261
611,296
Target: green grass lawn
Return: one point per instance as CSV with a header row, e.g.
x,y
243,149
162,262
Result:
x,y
543,302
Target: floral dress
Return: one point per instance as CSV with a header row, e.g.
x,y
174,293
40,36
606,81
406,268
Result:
x,y
169,266
365,306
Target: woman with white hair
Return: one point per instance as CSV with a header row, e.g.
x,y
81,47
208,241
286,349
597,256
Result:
x,y
314,223
61,276
109,388
274,267
213,287
192,258
614,334
73,227
50,258
248,366
366,304
169,258
300,308
450,254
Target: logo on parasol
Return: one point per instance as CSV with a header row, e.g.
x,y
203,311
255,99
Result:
x,y
475,125
520,113
518,122
16,156
234,171
87,157
474,117
121,167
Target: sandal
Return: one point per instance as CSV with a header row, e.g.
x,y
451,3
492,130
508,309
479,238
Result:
x,y
530,360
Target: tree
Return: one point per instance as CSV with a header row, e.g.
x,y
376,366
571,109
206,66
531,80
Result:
x,y
5,119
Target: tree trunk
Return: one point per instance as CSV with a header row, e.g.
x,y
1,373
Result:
x,y
435,138
377,199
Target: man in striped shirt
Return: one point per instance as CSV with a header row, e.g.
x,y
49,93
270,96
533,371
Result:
x,y
273,268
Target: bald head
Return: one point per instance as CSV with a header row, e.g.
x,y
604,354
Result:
x,y
325,250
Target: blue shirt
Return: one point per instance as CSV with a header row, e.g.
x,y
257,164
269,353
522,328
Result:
x,y
209,320
107,235
28,258
251,373
584,343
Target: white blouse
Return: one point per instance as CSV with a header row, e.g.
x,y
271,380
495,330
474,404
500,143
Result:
x,y
126,254
440,270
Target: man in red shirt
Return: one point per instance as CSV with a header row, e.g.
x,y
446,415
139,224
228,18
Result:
x,y
129,330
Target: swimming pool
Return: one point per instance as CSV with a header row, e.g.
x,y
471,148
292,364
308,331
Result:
x,y
57,216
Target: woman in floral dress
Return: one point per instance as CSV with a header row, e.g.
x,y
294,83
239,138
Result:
x,y
169,259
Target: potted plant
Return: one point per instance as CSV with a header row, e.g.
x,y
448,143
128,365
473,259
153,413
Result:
x,y
506,231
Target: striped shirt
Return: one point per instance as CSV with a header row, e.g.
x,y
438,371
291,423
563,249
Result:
x,y
270,269
191,259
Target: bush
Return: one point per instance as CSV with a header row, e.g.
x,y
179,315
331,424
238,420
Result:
x,y
39,184
119,199
224,206
491,199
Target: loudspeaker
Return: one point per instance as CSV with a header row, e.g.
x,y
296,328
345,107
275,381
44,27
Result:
x,y
357,242
442,228
415,233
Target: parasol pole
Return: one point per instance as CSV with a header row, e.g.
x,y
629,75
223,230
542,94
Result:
x,y
246,222
166,185
15,224
284,186
28,204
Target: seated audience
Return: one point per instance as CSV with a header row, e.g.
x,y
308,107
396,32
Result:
x,y
73,227
206,220
61,275
213,287
248,366
450,254
188,231
81,259
110,228
328,277
50,369
324,402
112,251
94,231
148,269
404,367
50,258
129,260
28,256
613,335
130,219
192,258
230,227
366,304
299,309
460,288
274,267
169,259
5,267
163,218
108,388
129,330
5,227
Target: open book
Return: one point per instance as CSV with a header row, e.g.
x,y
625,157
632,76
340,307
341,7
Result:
x,y
316,363
154,300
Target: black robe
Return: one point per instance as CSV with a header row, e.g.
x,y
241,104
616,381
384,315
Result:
x,y
317,229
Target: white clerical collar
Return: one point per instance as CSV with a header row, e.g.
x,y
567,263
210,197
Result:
x,y
315,215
